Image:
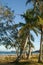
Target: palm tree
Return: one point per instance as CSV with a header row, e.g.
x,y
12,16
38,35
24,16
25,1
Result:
x,y
21,44
26,28
38,8
41,40
8,30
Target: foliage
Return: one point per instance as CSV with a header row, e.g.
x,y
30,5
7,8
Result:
x,y
8,31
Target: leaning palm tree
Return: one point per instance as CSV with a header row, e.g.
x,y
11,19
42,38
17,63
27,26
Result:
x,y
22,43
26,28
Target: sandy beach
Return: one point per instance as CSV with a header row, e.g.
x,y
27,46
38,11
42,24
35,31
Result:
x,y
10,60
7,58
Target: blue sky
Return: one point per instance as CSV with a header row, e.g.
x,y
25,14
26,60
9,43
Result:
x,y
20,7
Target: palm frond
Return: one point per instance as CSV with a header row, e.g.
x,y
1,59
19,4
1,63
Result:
x,y
28,1
30,43
35,31
21,24
32,37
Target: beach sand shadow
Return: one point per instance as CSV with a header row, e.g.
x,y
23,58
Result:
x,y
21,63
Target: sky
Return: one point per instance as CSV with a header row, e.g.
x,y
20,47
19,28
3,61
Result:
x,y
19,7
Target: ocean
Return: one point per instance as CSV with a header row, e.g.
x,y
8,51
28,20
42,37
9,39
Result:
x,y
12,52
7,53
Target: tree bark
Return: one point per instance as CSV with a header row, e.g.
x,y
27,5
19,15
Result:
x,y
40,55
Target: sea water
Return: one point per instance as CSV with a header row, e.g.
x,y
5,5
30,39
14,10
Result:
x,y
7,53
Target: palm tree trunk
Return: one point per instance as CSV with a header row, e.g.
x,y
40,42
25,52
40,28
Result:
x,y
21,51
19,57
40,55
17,53
29,53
